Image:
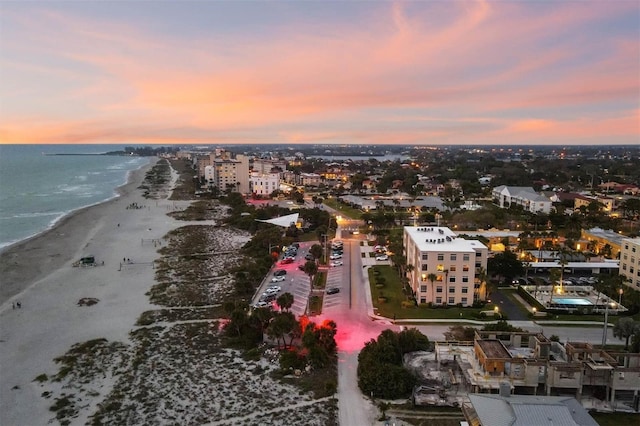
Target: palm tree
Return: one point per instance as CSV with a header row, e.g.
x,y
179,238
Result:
x,y
432,278
408,269
625,328
311,269
285,301
446,286
482,277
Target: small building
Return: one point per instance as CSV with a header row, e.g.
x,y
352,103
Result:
x,y
525,410
525,196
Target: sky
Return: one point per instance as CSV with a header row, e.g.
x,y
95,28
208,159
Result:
x,y
328,72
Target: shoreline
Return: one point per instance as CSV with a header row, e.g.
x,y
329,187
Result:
x,y
50,319
17,276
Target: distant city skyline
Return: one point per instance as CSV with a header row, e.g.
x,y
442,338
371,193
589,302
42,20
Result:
x,y
378,72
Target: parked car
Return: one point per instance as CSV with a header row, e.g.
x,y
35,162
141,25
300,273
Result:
x,y
301,266
382,257
261,304
268,297
278,279
335,256
274,288
337,263
333,290
308,256
286,260
279,273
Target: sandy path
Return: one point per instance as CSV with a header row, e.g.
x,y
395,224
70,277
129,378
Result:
x,y
38,273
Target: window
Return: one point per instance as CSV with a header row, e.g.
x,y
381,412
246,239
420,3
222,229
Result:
x,y
452,300
465,290
440,268
439,289
452,268
423,300
425,256
439,278
440,256
452,279
439,300
465,268
625,257
465,257
624,268
423,288
464,301
425,267
453,257
631,269
478,265
478,254
452,289
465,279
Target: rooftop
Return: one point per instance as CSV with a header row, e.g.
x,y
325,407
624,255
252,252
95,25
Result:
x,y
493,349
526,410
442,239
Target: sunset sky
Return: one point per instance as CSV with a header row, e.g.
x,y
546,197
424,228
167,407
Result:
x,y
369,72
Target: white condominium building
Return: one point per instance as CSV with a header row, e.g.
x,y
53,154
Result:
x,y
630,261
264,184
455,263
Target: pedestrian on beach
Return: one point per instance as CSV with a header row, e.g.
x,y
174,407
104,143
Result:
x,y
19,305
124,260
13,305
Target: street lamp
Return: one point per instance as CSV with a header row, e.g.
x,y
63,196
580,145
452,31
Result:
x,y
620,296
606,319
534,310
496,310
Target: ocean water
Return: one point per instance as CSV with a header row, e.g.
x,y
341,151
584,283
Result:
x,y
37,190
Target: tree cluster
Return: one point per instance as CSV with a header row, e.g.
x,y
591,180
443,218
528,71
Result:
x,y
380,368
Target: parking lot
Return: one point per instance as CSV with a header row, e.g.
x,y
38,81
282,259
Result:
x,y
293,281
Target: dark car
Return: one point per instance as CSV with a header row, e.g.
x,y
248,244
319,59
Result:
x,y
308,256
279,272
286,260
333,290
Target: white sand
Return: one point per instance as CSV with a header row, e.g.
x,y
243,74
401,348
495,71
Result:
x,y
38,273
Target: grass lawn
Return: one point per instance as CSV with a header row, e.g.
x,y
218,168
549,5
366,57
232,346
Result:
x,y
346,211
394,295
615,419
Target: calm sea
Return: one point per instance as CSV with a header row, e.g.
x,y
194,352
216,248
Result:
x,y
36,190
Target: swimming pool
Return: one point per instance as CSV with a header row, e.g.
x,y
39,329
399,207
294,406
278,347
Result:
x,y
571,301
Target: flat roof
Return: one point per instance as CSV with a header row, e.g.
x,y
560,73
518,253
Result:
x,y
576,265
441,239
493,348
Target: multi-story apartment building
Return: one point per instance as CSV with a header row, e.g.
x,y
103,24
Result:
x,y
630,262
264,184
266,166
310,179
456,264
530,200
227,173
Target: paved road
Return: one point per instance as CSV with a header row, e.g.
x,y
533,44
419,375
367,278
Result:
x,y
507,306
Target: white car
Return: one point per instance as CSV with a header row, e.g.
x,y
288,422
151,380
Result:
x,y
261,304
272,290
278,279
337,263
383,257
335,256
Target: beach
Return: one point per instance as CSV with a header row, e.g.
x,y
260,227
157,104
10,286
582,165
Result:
x,y
38,274
122,359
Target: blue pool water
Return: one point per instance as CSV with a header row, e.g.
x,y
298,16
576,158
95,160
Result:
x,y
572,301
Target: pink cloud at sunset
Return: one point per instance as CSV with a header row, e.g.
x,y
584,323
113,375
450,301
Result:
x,y
372,72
